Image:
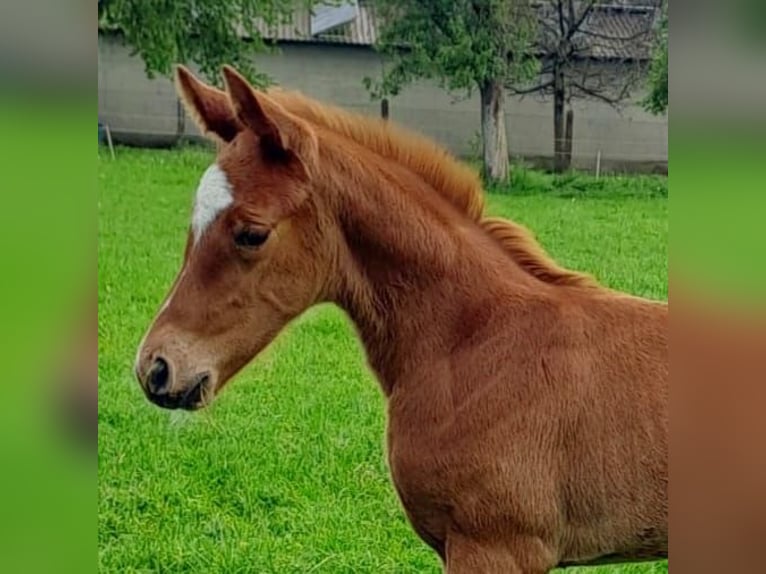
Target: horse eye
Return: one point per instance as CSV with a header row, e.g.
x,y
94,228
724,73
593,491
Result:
x,y
250,238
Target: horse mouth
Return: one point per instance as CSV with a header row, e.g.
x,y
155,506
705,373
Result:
x,y
198,395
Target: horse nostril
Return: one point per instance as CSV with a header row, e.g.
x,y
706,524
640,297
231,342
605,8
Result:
x,y
159,375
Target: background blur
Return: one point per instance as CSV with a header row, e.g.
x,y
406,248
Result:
x,y
48,65
718,285
47,294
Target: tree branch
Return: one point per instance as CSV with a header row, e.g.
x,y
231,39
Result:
x,y
548,27
560,6
612,101
547,68
585,13
571,12
538,88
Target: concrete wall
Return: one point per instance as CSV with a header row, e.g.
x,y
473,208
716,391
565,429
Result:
x,y
143,111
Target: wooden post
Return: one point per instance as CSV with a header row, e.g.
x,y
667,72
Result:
x,y
384,108
559,99
598,164
180,121
568,135
109,139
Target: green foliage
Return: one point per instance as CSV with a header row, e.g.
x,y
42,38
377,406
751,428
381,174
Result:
x,y
286,471
578,184
208,33
657,100
461,43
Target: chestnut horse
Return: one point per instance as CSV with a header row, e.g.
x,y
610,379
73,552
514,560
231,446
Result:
x,y
527,405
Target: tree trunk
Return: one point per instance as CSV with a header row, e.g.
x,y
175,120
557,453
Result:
x,y
568,138
494,142
180,121
559,144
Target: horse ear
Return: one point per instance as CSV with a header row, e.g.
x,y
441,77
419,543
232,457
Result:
x,y
274,125
208,106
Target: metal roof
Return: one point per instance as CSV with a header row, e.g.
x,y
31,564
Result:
x,y
603,36
611,31
618,30
362,31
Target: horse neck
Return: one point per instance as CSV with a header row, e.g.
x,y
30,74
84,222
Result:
x,y
413,273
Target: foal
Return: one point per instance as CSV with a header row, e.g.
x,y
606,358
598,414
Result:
x,y
527,406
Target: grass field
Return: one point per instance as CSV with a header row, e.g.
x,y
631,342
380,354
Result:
x,y
286,471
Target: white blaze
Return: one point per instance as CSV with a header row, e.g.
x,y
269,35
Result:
x,y
214,194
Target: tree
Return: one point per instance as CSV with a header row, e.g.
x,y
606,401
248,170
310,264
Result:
x,y
466,45
656,101
584,55
208,33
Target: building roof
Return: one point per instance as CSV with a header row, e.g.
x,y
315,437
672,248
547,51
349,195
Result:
x,y
605,32
361,31
616,31
604,35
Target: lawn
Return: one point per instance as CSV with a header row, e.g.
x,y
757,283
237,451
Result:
x,y
286,471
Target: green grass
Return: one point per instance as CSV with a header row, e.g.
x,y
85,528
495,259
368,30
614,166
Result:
x,y
286,471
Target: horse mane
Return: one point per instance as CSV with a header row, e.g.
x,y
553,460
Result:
x,y
520,244
454,181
